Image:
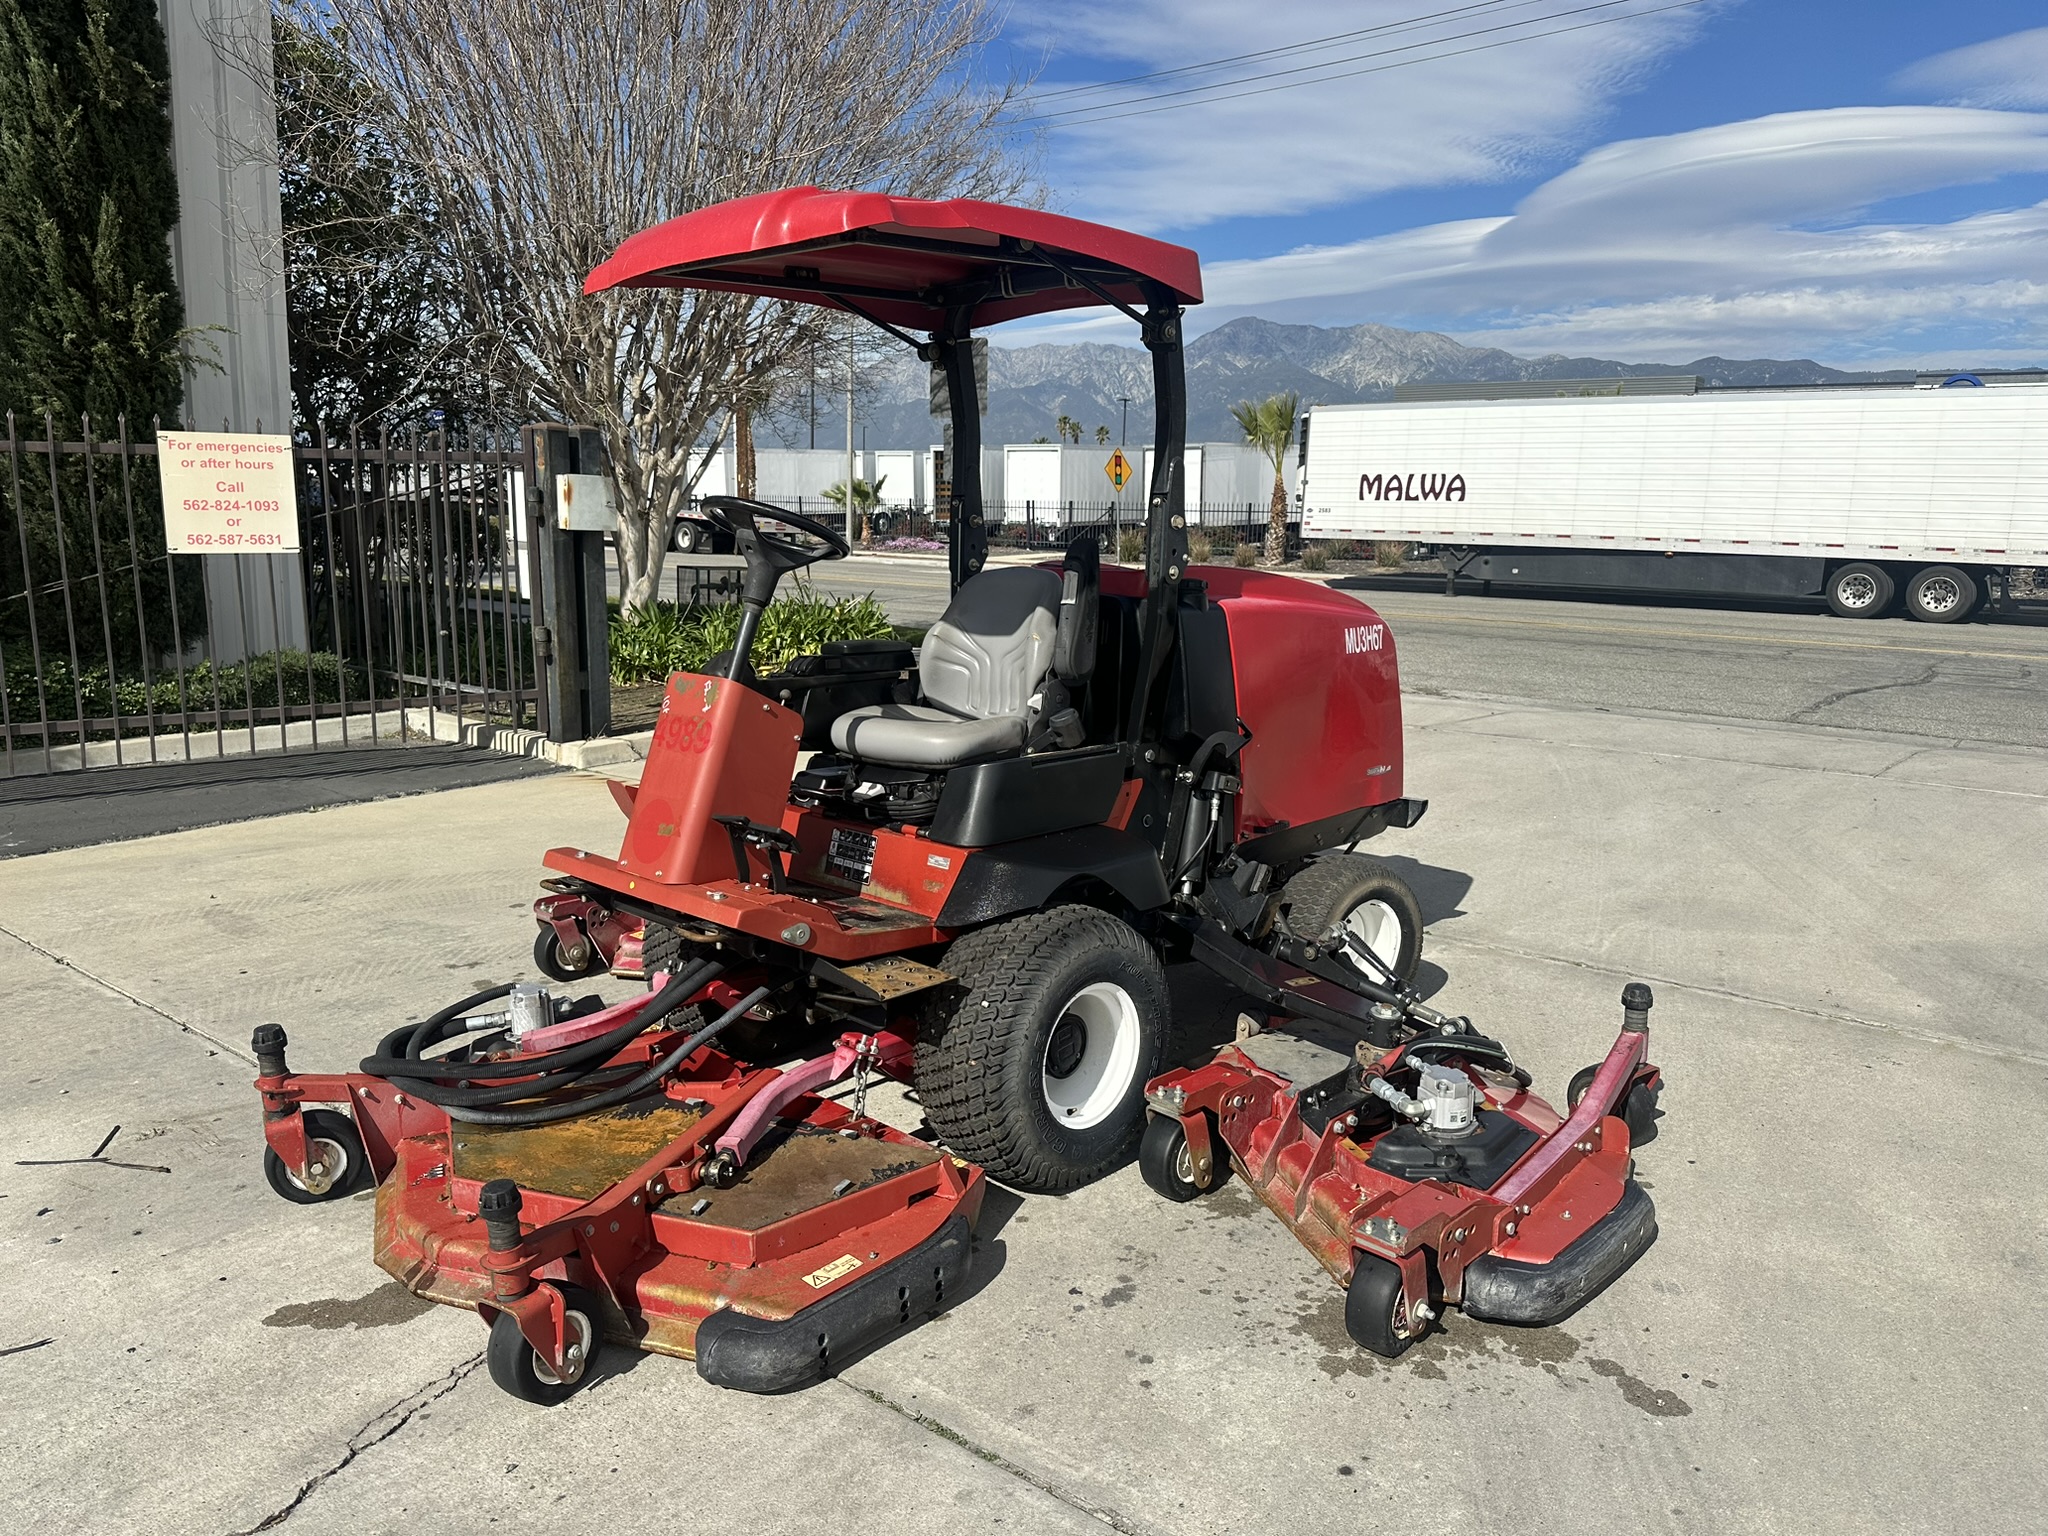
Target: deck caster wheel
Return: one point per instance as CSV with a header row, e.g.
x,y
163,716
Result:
x,y
336,1165
518,1368
1638,1107
551,960
1376,1311
1167,1165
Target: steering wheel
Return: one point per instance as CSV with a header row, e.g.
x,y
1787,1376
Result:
x,y
737,515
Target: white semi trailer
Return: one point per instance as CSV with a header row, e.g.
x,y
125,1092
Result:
x,y
1930,497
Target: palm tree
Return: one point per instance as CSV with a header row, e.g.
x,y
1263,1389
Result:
x,y
1269,427
1102,437
866,497
1064,426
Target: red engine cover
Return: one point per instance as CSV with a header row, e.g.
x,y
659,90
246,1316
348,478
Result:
x,y
1317,683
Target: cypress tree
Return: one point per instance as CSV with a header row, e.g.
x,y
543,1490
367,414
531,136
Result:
x,y
91,324
92,319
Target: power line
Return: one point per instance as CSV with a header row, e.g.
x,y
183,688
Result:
x,y
1303,69
1267,53
1109,116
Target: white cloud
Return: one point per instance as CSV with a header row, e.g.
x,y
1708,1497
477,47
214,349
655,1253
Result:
x,y
1743,238
2009,71
1477,118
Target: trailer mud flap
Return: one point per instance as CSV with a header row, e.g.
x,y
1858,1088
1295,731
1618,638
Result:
x,y
1509,1291
757,1354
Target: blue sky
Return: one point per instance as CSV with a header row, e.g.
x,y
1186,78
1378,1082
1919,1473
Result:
x,y
1861,181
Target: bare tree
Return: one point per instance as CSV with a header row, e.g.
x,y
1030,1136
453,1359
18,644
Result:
x,y
544,135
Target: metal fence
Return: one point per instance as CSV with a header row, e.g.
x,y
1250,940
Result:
x,y
1050,525
406,613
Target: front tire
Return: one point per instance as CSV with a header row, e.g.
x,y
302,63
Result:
x,y
549,960
1035,1064
1365,900
1860,590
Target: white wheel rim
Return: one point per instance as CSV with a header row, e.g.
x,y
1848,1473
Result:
x,y
1940,595
1090,1092
1857,591
332,1157
579,1331
1378,927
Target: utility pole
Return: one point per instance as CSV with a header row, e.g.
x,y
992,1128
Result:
x,y
852,528
814,394
1124,436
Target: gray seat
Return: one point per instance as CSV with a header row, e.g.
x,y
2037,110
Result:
x,y
980,667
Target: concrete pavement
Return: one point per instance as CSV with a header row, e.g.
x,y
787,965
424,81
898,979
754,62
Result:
x,y
1841,1327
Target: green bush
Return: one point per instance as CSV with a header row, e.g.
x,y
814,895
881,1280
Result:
x,y
1130,546
238,683
1315,558
1245,556
1389,553
671,639
1200,550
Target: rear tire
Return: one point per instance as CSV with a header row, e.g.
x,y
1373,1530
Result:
x,y
1861,590
1364,897
1034,1064
1941,594
687,538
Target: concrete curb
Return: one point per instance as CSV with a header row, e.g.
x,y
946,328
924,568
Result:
x,y
592,756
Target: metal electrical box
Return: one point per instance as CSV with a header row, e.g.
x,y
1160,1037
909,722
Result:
x,y
584,504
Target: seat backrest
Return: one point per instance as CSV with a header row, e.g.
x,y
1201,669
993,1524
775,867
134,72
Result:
x,y
992,649
1073,651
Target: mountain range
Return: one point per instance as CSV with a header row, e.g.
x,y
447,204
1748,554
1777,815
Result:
x,y
1244,359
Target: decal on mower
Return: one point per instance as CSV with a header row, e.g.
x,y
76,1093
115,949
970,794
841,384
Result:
x,y
1364,637
845,1264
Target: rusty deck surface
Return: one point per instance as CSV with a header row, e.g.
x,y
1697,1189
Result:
x,y
800,1171
579,1158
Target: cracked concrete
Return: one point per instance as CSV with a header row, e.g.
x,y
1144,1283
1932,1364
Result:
x,y
1836,1260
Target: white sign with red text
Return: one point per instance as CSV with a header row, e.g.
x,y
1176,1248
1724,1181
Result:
x,y
228,493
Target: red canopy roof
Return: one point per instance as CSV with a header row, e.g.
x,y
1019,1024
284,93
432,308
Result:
x,y
901,259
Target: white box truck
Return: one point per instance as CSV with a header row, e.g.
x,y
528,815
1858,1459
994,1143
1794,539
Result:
x,y
1925,496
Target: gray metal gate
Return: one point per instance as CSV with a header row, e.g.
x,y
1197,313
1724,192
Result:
x,y
407,615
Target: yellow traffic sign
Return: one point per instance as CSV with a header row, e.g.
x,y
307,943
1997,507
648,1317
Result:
x,y
1119,470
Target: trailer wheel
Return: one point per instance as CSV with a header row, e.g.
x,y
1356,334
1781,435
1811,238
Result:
x,y
518,1368
1167,1165
1376,1311
1034,1064
550,961
687,537
1861,590
1941,594
1364,898
338,1148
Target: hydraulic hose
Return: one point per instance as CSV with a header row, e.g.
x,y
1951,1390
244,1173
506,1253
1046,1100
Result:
x,y
442,1081
549,1113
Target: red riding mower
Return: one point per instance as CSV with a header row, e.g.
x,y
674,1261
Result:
x,y
973,885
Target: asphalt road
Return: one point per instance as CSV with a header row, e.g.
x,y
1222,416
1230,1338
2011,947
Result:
x,y
1983,681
